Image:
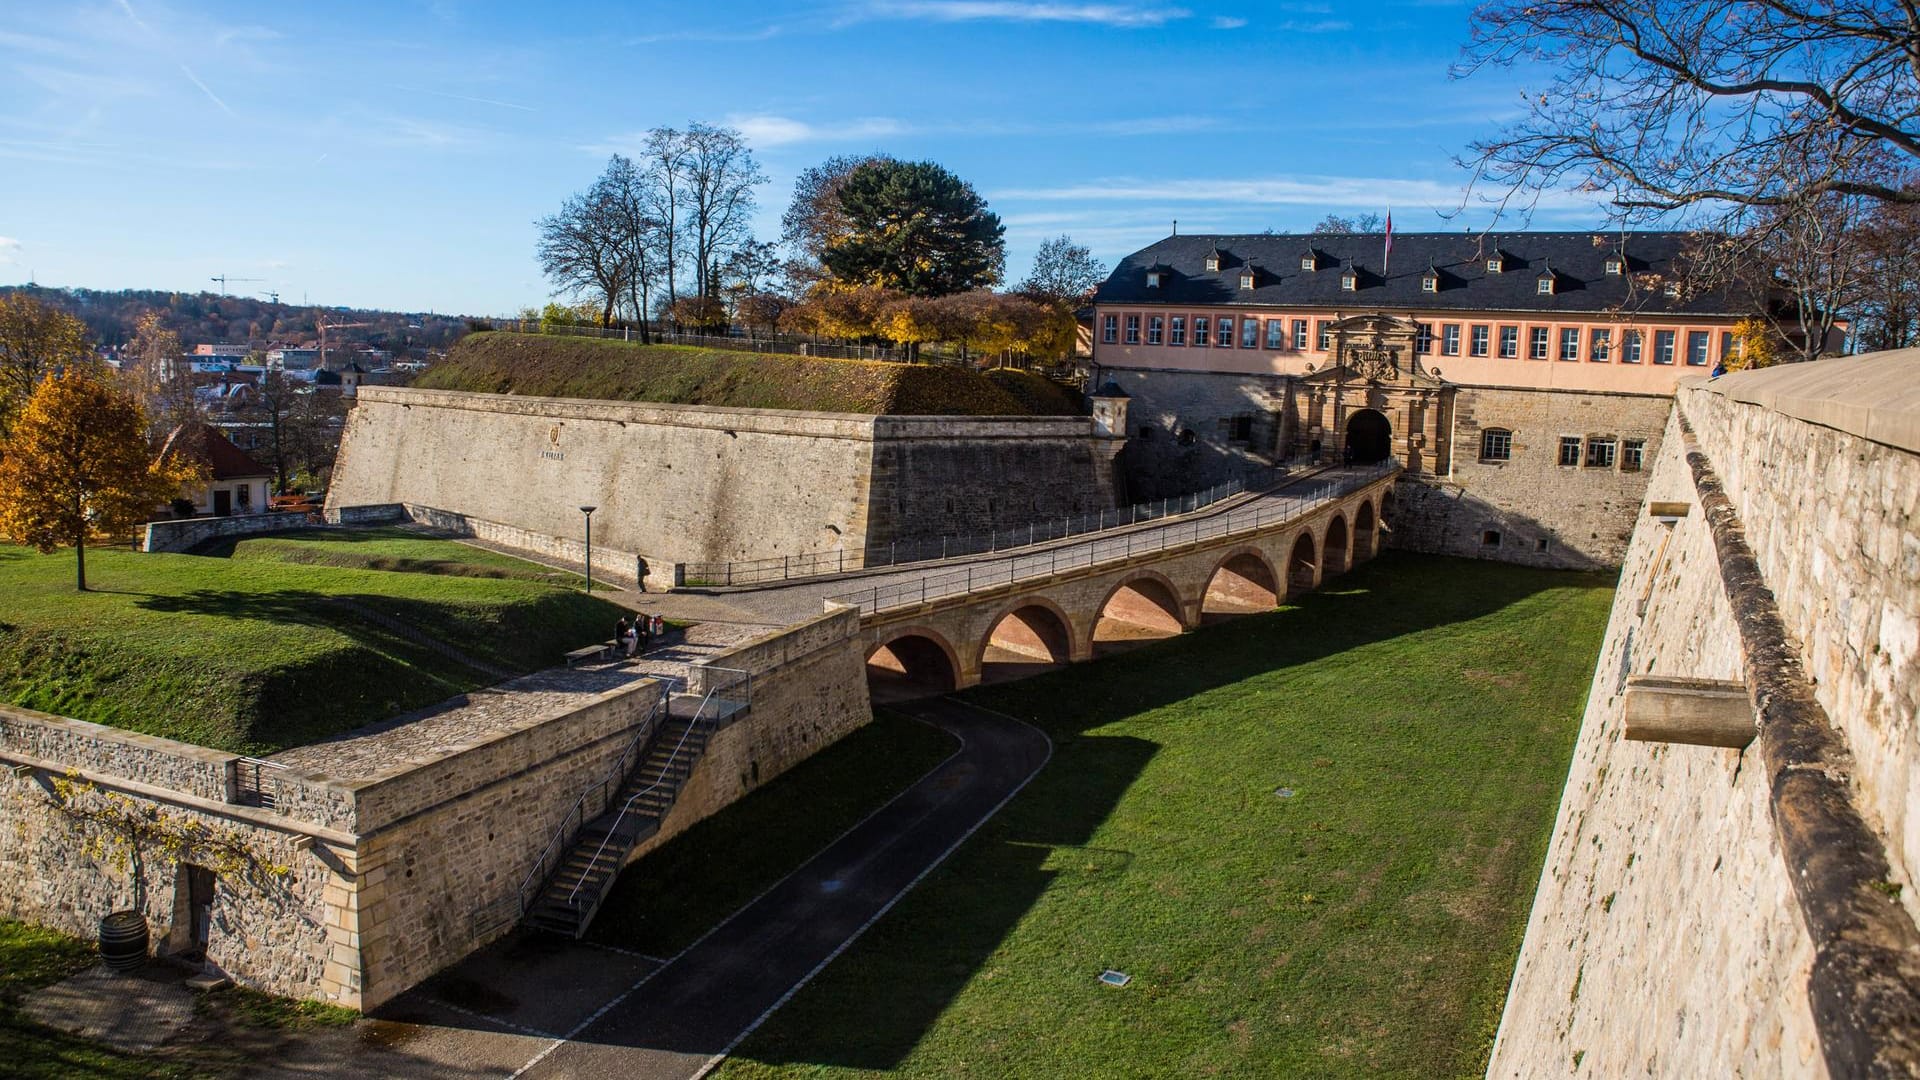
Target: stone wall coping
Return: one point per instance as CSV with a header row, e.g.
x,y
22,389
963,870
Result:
x,y
1874,395
855,426
155,744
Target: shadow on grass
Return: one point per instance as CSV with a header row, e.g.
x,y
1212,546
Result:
x,y
893,988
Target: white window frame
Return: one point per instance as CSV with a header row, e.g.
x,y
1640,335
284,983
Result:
x,y
1496,266
1510,341
1276,335
1633,455
1176,330
1308,262
1632,345
1569,344
1153,279
1223,330
1539,342
1614,266
1488,437
1299,335
1324,335
1349,282
1601,454
1133,330
1664,344
1480,340
1429,283
1703,338
1156,329
1246,279
1423,338
1450,339
1572,443
1249,332
1202,326
1544,287
1110,329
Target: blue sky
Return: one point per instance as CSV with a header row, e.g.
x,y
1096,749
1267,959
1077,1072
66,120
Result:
x,y
395,154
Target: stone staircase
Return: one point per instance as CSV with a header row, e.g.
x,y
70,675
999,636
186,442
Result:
x,y
572,895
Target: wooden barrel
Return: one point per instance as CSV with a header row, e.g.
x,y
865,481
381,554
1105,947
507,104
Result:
x,y
123,940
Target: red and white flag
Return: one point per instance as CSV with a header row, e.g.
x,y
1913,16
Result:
x,y
1386,258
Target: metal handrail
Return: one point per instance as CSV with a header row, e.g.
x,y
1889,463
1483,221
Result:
x,y
618,774
692,726
257,789
1020,568
840,560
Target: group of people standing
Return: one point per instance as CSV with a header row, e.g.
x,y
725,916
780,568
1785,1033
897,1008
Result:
x,y
631,636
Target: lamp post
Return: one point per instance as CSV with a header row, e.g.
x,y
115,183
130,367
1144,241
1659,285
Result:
x,y
588,510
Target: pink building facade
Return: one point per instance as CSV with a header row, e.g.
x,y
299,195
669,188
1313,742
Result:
x,y
1523,380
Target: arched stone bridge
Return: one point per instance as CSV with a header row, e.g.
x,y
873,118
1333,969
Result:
x,y
1016,616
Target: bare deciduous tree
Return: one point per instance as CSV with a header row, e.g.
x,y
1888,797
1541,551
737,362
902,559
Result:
x,y
720,177
1063,272
1664,105
583,248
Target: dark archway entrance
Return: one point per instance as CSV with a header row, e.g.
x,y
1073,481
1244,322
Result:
x,y
1333,550
910,666
1300,567
1369,437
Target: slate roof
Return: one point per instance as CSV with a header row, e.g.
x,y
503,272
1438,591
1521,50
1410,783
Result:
x,y
1577,260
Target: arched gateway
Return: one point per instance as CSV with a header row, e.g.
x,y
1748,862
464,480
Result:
x,y
1369,437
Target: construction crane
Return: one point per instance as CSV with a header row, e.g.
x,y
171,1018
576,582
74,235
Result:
x,y
271,296
223,279
323,326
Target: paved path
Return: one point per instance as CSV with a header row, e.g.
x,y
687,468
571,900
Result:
x,y
679,1020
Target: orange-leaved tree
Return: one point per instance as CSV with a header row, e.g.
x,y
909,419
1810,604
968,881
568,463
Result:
x,y
77,464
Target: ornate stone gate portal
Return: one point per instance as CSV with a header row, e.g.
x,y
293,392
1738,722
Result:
x,y
1375,375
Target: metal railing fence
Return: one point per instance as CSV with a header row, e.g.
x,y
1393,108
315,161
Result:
x,y
254,782
1003,572
896,553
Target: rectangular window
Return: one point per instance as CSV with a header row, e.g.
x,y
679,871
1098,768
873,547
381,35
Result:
x,y
1155,325
1450,340
1599,453
1200,329
1570,343
1570,450
1726,345
1300,335
1697,348
1241,429
1509,342
1423,338
1276,335
1496,444
1663,346
1326,335
1249,333
1629,346
1133,329
1633,454
1601,349
1478,341
1223,332
1177,330
1110,329
1542,341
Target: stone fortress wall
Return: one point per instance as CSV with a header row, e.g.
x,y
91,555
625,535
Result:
x,y
405,867
686,483
1683,922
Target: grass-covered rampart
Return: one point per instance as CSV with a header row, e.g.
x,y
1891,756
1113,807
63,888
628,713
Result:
x,y
544,365
290,639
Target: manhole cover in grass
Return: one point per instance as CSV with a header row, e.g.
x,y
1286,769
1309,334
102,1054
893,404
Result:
x,y
1115,978
1284,792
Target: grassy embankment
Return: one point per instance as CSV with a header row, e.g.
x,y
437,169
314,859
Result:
x,y
542,365
1421,711
277,644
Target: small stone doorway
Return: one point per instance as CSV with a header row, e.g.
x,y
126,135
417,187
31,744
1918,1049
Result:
x,y
193,893
1369,437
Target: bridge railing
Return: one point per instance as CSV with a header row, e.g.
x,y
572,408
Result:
x,y
812,564
1001,572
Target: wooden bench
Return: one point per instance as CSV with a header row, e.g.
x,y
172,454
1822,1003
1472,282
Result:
x,y
591,652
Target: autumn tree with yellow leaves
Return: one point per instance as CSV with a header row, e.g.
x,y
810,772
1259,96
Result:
x,y
77,464
35,340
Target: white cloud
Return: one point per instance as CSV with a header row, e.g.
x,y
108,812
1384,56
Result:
x,y
1303,190
9,247
766,130
1228,22
1126,16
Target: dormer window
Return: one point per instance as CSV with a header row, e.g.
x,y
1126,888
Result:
x,y
1246,278
1153,279
1213,262
1430,282
1309,261
1673,289
1615,266
1349,281
1544,287
1495,265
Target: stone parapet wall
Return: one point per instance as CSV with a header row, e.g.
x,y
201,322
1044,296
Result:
x,y
112,752
189,533
681,483
809,690
1666,936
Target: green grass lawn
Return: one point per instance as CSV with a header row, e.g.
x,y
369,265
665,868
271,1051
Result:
x,y
679,892
1421,712
288,640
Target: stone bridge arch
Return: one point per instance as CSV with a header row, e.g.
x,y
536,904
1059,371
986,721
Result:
x,y
1366,532
1027,636
913,661
1241,581
1144,606
1303,564
1336,545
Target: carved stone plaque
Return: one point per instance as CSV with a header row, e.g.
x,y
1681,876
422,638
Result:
x,y
1374,363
